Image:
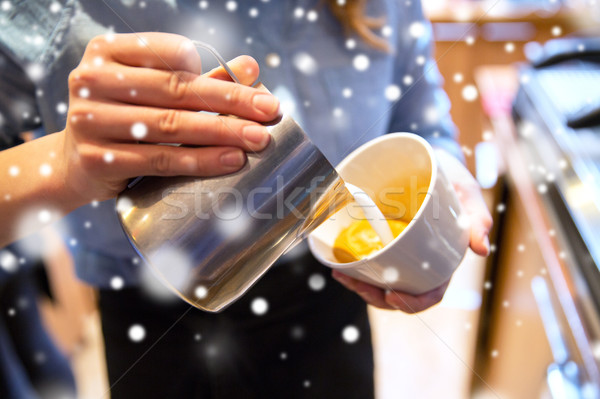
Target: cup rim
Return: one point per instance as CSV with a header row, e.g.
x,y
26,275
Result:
x,y
432,182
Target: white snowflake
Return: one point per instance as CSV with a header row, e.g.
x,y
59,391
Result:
x,y
458,77
305,63
253,12
420,60
416,29
137,333
98,61
8,261
392,92
108,157
316,282
470,40
55,7
117,282
231,6
139,130
387,31
14,170
463,222
203,5
361,62
350,334
201,292
469,93
347,92
232,221
297,333
35,71
6,5
312,16
84,92
556,30
44,216
61,107
273,60
174,265
45,169
298,12
431,114
407,80
259,306
509,47
338,112
350,44
390,274
124,204
494,353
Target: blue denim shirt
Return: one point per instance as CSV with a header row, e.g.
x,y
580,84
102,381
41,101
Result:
x,y
342,91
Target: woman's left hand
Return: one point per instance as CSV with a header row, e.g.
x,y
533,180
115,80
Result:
x,y
471,199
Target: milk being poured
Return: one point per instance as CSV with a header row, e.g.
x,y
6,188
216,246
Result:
x,y
366,235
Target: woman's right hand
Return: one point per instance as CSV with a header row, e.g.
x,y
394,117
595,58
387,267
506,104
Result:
x,y
133,91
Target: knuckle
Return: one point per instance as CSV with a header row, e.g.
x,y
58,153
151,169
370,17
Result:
x,y
96,42
234,96
168,123
80,78
90,157
160,162
177,86
223,129
77,112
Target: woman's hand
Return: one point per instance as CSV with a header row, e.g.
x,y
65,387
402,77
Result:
x,y
469,194
129,93
133,91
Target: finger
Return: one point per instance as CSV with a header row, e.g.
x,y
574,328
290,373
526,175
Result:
x,y
116,122
173,89
150,50
122,161
244,67
479,215
415,303
369,293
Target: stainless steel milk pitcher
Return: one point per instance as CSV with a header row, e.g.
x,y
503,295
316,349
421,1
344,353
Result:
x,y
210,239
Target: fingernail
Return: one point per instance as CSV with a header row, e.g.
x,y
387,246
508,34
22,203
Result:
x,y
235,158
258,136
266,103
486,243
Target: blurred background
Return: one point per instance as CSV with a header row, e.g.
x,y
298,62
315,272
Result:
x,y
523,77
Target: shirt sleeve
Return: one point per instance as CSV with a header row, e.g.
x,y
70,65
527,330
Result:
x,y
423,107
18,109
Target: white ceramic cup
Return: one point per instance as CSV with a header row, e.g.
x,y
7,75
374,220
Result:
x,y
400,172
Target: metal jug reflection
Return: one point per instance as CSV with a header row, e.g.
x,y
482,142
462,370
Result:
x,y
211,239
